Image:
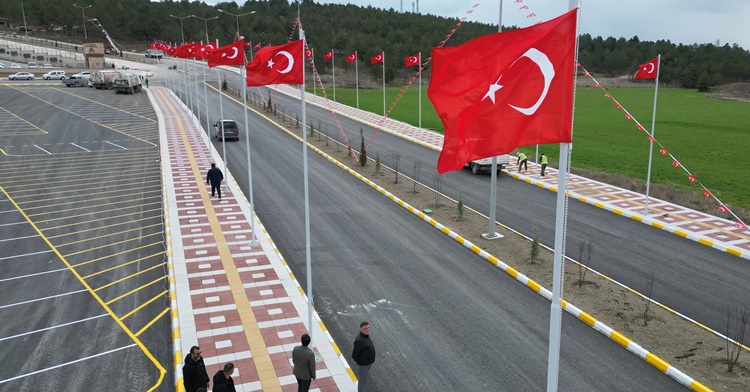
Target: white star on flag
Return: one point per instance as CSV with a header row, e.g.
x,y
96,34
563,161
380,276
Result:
x,y
492,90
270,63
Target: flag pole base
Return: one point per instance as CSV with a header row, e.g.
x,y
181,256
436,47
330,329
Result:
x,y
495,236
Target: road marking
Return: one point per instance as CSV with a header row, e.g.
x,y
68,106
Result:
x,y
20,238
30,275
135,290
85,149
25,254
43,149
11,224
42,299
144,305
107,141
67,363
155,319
49,328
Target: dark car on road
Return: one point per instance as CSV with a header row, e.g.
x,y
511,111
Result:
x,y
76,81
228,128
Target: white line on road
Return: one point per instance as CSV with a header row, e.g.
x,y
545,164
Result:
x,y
107,141
30,275
56,326
42,299
85,149
26,254
5,212
43,149
66,364
11,224
20,238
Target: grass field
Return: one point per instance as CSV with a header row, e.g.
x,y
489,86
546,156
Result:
x,y
709,137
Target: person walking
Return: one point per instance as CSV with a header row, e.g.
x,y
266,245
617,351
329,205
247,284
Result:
x,y
223,381
303,359
214,177
543,161
523,161
194,375
146,82
363,354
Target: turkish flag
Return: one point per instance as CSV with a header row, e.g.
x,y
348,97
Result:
x,y
205,50
722,208
412,61
648,70
281,64
257,46
351,58
232,54
663,151
740,225
505,90
378,58
328,55
152,45
692,178
707,193
186,50
308,53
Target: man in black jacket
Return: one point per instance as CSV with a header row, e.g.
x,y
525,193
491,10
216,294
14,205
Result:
x,y
214,177
363,354
223,381
194,373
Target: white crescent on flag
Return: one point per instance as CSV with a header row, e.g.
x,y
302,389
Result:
x,y
379,57
288,57
548,71
651,70
412,60
234,55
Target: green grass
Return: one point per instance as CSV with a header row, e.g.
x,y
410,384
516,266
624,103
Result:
x,y
709,137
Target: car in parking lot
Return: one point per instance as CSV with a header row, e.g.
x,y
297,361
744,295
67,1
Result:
x,y
226,129
2,64
21,75
85,74
76,81
31,64
47,66
54,75
14,65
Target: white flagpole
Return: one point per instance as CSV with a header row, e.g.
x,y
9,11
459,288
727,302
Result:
x,y
221,123
420,89
333,73
208,124
308,261
555,320
315,88
491,234
384,82
243,75
356,74
653,125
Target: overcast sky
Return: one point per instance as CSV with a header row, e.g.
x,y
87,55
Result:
x,y
680,21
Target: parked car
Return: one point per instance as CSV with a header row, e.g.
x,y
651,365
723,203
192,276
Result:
x,y
127,83
2,65
14,65
486,164
76,81
31,64
47,66
229,127
21,75
85,74
54,75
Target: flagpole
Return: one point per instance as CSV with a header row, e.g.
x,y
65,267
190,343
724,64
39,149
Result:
x,y
208,124
308,262
420,89
491,234
253,242
315,88
555,320
356,74
384,83
333,73
221,123
653,125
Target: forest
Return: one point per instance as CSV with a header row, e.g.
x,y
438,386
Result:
x,y
346,28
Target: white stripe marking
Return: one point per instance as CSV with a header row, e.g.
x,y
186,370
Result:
x,y
43,149
41,299
107,141
30,275
48,328
11,224
66,364
26,254
20,238
85,149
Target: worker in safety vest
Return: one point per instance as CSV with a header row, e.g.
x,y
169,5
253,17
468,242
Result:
x,y
522,161
543,161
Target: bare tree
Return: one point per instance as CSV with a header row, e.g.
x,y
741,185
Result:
x,y
362,151
417,168
534,251
460,207
396,161
584,258
649,291
377,162
736,323
437,185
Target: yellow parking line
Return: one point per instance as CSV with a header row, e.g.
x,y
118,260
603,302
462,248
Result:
x,y
143,305
68,233
114,243
77,190
108,235
123,265
130,276
16,116
129,197
111,107
135,290
98,220
117,191
133,207
145,327
114,254
105,177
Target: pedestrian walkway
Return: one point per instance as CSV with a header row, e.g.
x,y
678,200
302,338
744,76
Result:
x,y
704,228
239,303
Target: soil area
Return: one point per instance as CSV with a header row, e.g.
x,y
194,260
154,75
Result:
x,y
691,349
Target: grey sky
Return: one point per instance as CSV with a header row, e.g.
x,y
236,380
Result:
x,y
680,21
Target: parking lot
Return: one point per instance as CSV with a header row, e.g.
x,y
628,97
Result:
x,y
85,299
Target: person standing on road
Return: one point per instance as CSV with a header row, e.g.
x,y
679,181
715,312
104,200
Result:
x,y
363,354
543,161
303,359
523,161
223,381
146,82
194,375
214,177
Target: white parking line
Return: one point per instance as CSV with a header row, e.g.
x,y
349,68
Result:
x,y
5,212
66,364
85,149
30,275
42,299
56,326
107,141
11,224
43,149
27,254
20,238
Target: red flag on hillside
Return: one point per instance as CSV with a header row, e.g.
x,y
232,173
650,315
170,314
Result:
x,y
412,60
378,58
692,178
648,70
351,58
185,51
722,208
308,53
663,151
740,225
152,45
232,54
505,90
257,46
707,193
205,50
328,55
281,64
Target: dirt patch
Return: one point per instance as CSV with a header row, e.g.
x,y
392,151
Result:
x,y
693,350
731,91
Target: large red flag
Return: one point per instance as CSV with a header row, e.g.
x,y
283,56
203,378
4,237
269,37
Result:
x,y
328,55
505,90
648,70
185,51
232,54
351,58
281,64
378,58
205,50
412,61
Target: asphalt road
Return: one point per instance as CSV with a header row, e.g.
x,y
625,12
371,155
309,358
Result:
x,y
442,319
83,288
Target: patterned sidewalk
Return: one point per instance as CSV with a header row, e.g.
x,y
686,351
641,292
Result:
x,y
239,303
704,228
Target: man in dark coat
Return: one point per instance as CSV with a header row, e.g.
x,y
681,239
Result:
x,y
194,373
304,364
363,354
223,381
214,177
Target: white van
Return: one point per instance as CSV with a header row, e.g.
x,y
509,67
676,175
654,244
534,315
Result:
x,y
57,75
31,64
